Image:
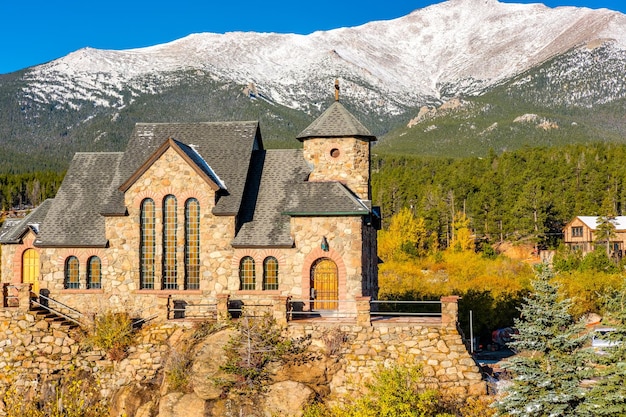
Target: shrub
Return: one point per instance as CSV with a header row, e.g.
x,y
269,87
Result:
x,y
178,367
112,332
257,342
75,394
394,392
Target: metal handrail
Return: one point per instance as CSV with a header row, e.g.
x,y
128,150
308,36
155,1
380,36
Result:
x,y
65,306
136,323
58,313
406,313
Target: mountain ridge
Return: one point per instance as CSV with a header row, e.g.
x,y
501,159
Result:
x,y
388,69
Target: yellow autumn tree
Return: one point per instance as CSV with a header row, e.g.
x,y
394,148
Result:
x,y
462,239
407,236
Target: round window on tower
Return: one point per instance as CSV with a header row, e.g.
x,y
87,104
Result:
x,y
334,152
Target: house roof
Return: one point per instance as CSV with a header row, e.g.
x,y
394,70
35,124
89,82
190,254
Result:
x,y
336,122
189,154
261,188
324,199
13,230
277,173
592,222
223,148
282,192
74,217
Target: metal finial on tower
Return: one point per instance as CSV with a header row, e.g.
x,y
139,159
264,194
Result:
x,y
336,90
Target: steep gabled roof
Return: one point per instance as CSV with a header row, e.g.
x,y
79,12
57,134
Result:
x,y
187,153
336,122
13,230
74,218
225,147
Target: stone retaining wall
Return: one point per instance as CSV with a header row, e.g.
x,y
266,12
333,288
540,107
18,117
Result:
x,y
33,350
439,350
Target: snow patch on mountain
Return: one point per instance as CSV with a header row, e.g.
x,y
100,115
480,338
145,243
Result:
x,y
458,46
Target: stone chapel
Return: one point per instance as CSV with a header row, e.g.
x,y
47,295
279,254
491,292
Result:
x,y
192,212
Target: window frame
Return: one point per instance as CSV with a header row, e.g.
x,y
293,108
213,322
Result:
x,y
71,273
247,274
577,231
92,271
270,274
170,226
192,244
147,244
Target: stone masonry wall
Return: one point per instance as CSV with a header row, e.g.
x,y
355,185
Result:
x,y
219,260
439,350
33,350
346,160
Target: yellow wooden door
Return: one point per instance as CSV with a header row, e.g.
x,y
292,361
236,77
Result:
x,y
30,269
325,285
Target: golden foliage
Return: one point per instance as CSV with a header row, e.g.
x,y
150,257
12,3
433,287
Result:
x,y
453,273
586,288
75,394
406,237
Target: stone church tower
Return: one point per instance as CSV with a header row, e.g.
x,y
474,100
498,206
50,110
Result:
x,y
337,146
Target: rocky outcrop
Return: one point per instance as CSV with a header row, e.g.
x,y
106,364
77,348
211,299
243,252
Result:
x,y
340,359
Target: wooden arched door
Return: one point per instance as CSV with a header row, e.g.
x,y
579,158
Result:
x,y
30,269
324,285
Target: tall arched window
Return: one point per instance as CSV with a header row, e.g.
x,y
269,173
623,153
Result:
x,y
94,273
169,243
247,279
71,273
147,245
192,244
270,273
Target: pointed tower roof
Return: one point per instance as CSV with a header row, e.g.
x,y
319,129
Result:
x,y
336,122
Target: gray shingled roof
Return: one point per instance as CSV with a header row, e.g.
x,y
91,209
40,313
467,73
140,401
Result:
x,y
13,230
324,199
225,147
336,122
283,192
74,217
279,171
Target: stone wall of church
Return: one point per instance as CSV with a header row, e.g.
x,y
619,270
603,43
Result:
x,y
171,175
346,160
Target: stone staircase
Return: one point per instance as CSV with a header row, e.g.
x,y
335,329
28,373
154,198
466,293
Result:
x,y
56,321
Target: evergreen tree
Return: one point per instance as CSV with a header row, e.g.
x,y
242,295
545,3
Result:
x,y
549,367
608,395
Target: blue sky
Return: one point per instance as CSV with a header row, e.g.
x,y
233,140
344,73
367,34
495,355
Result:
x,y
37,31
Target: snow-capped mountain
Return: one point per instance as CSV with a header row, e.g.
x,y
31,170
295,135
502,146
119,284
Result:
x,y
387,68
473,43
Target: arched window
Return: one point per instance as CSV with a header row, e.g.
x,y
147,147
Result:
x,y
147,245
169,243
270,273
247,279
71,273
94,273
192,244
